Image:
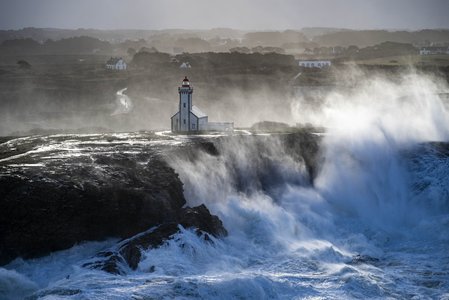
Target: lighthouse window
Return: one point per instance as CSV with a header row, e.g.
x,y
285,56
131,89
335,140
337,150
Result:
x,y
184,105
184,121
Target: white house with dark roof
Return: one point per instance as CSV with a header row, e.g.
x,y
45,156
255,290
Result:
x,y
315,63
190,118
116,63
185,65
433,50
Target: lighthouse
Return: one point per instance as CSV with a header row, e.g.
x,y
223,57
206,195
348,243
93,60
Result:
x,y
189,117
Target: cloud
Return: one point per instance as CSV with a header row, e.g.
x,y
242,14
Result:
x,y
240,14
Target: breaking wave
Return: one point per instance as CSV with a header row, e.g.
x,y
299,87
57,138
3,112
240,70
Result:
x,y
370,222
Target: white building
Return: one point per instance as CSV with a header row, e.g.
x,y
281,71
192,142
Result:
x,y
115,63
185,65
314,63
190,118
433,50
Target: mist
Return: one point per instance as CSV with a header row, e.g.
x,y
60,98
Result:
x,y
328,177
202,14
147,105
368,195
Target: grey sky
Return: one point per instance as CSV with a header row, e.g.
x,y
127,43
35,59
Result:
x,y
239,14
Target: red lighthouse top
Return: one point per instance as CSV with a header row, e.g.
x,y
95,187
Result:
x,y
186,82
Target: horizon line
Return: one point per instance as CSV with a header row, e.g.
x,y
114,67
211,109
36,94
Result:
x,y
228,28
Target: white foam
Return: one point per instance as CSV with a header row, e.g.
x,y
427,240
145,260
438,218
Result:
x,y
289,239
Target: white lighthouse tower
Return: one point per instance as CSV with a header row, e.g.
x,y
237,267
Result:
x,y
189,117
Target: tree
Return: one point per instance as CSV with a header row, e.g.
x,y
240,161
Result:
x,y
23,64
148,50
131,51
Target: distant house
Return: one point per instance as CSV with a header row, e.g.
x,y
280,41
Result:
x,y
433,50
185,65
116,63
314,63
308,51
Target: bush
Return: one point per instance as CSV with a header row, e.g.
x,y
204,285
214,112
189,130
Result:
x,y
23,64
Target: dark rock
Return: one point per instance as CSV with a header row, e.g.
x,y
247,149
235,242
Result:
x,y
69,200
199,217
111,265
119,188
209,148
193,150
364,259
268,126
109,261
304,145
129,250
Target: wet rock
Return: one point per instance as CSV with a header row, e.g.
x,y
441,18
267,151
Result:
x,y
305,146
65,201
200,217
129,251
364,259
193,150
268,126
109,261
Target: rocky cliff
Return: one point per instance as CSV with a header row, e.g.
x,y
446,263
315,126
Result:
x,y
59,190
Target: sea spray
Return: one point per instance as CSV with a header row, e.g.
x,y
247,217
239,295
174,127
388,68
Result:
x,y
363,198
369,222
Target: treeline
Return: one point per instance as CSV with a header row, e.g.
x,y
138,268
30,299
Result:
x,y
242,60
75,45
215,40
43,34
214,60
380,50
364,38
273,38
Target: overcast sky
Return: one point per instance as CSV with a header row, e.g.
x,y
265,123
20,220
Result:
x,y
238,14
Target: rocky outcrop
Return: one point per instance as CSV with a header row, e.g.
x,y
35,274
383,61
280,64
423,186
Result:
x,y
305,146
364,259
128,252
51,204
56,191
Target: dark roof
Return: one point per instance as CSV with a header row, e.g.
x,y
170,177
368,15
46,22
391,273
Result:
x,y
113,60
185,82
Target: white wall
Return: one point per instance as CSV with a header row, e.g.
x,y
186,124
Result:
x,y
220,126
203,123
193,122
314,63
